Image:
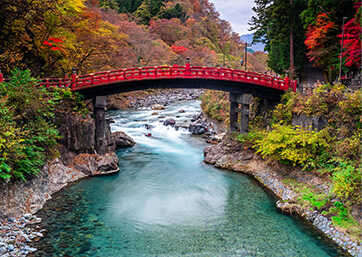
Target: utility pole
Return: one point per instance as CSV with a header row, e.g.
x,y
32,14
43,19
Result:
x,y
246,54
291,50
340,57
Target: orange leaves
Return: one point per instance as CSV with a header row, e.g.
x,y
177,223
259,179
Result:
x,y
320,36
318,32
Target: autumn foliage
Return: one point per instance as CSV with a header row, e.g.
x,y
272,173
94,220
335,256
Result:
x,y
50,37
318,39
352,43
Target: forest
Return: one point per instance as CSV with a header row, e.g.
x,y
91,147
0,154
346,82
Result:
x,y
52,37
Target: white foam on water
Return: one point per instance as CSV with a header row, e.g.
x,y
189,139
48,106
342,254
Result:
x,y
152,207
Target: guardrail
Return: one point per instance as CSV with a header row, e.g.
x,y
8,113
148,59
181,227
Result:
x,y
79,82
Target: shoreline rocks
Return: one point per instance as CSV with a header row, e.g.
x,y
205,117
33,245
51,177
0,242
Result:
x,y
15,235
231,155
159,98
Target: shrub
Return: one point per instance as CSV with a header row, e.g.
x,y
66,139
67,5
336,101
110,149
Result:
x,y
28,136
293,145
317,201
346,180
342,217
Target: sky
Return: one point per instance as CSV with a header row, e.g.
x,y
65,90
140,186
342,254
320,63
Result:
x,y
237,12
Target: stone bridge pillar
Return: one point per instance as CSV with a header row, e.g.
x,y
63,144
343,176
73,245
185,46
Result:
x,y
239,103
100,104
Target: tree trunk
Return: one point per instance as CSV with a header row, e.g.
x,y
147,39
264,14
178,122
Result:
x,y
291,68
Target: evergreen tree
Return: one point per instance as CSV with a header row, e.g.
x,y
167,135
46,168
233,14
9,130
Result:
x,y
175,12
272,27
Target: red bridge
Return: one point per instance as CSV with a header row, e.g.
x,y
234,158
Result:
x,y
239,83
123,80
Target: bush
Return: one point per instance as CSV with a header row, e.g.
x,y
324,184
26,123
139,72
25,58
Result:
x,y
28,136
342,217
293,145
346,180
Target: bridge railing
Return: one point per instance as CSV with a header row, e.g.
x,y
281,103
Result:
x,y
169,72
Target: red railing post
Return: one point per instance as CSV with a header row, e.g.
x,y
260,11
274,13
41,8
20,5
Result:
x,y
287,82
74,78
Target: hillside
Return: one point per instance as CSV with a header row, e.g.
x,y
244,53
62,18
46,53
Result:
x,y
108,34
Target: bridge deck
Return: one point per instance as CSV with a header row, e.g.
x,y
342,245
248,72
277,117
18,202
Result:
x,y
102,79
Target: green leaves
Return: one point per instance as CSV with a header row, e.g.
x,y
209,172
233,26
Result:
x,y
28,136
346,180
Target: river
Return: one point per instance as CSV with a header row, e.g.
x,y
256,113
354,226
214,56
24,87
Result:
x,y
166,202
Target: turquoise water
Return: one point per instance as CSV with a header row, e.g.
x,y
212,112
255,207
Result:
x,y
166,202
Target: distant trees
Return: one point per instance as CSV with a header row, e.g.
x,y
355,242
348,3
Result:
x,y
52,37
175,12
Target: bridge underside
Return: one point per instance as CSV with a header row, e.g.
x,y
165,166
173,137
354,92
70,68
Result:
x,y
239,98
227,86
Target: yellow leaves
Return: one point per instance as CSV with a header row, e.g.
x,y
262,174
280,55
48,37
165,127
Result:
x,y
73,7
292,144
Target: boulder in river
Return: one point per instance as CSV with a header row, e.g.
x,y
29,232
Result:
x,y
122,140
181,111
169,122
158,107
198,128
95,165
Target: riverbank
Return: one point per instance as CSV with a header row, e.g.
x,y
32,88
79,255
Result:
x,y
233,155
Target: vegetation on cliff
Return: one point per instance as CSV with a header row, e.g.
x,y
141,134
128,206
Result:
x,y
332,153
28,135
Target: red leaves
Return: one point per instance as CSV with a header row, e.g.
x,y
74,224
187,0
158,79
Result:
x,y
55,40
47,43
352,43
179,49
55,48
54,43
318,38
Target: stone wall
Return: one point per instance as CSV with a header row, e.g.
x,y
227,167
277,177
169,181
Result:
x,y
309,122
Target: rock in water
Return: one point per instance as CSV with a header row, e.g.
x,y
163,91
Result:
x,y
95,165
122,139
158,107
169,122
198,128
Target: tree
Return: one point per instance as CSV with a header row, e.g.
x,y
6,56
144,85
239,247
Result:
x,y
169,31
352,40
269,25
322,20
323,52
148,9
175,12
